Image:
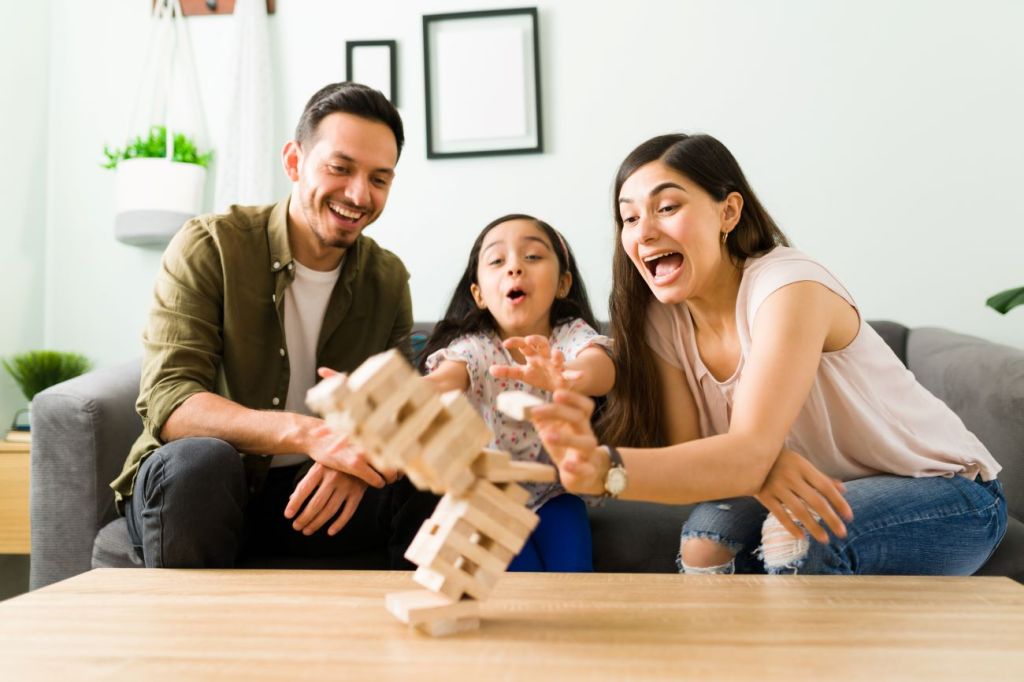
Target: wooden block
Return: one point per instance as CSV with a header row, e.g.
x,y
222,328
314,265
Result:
x,y
420,606
490,523
404,444
514,471
329,395
401,404
509,500
517,404
381,374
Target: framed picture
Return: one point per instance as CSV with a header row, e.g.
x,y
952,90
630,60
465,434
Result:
x,y
482,75
372,62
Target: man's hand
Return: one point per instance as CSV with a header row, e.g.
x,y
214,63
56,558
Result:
x,y
544,368
795,491
333,450
331,491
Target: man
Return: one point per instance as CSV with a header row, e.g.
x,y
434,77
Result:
x,y
248,305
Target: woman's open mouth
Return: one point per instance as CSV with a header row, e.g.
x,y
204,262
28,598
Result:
x,y
664,267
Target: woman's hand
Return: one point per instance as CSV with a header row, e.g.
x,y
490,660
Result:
x,y
796,491
544,368
564,427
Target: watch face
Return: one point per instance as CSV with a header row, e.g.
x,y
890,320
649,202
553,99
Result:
x,y
615,482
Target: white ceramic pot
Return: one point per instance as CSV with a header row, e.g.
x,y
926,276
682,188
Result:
x,y
153,199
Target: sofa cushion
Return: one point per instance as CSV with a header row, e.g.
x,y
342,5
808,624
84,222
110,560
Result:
x,y
113,548
636,537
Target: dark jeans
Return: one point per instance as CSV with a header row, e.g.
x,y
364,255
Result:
x,y
191,508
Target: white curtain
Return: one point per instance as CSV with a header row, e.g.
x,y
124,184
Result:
x,y
247,158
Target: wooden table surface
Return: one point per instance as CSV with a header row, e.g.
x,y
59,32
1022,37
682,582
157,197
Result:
x,y
251,625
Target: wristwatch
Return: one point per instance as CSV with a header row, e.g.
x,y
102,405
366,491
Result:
x,y
616,480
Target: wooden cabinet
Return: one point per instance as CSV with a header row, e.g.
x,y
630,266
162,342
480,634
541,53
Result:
x,y
14,535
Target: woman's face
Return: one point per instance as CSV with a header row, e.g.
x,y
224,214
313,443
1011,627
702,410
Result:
x,y
672,231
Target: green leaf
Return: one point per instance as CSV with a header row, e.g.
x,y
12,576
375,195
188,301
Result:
x,y
1004,301
38,369
154,146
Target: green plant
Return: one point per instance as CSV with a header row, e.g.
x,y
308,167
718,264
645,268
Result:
x,y
1004,301
155,147
38,369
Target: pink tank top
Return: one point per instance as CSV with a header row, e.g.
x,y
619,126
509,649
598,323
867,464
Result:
x,y
866,414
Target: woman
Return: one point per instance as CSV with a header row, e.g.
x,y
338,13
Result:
x,y
744,368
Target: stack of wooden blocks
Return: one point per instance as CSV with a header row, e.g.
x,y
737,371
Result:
x,y
479,525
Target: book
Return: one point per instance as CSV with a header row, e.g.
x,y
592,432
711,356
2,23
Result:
x,y
18,436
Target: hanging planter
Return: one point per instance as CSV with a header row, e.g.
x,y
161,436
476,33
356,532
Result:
x,y
161,177
154,194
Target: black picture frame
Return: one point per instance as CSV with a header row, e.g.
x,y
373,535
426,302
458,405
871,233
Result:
x,y
468,112
390,90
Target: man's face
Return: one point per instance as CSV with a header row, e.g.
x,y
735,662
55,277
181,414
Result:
x,y
341,177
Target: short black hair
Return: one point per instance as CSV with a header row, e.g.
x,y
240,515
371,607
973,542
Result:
x,y
350,98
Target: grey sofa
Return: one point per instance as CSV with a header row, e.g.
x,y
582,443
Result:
x,y
83,428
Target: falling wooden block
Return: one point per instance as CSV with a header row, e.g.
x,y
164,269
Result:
x,y
496,466
433,613
517,404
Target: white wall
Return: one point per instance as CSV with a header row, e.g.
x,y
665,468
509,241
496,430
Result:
x,y
885,138
23,121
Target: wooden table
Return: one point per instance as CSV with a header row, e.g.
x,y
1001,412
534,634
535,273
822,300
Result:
x,y
14,482
247,625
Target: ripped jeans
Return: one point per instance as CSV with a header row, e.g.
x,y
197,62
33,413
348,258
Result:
x,y
901,526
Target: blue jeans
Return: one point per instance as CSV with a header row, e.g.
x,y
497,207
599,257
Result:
x,y
561,542
901,526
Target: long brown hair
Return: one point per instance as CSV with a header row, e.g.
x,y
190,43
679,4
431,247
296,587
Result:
x,y
633,415
464,317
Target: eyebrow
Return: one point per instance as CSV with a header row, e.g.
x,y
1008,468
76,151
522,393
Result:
x,y
346,157
660,188
526,238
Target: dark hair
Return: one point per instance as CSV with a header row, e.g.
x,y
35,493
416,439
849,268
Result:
x,y
464,317
350,98
633,415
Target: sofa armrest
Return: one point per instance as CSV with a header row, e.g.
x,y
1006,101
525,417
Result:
x,y
82,430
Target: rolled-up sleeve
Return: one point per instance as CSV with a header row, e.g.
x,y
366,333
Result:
x,y
182,341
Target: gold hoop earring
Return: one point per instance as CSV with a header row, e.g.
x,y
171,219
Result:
x,y
725,236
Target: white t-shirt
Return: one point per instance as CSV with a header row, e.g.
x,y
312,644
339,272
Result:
x,y
305,303
866,413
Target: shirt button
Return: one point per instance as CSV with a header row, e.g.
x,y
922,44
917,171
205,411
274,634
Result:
x,y
282,352
273,298
276,401
277,265
291,266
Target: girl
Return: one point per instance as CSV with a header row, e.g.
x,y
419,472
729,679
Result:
x,y
738,357
520,300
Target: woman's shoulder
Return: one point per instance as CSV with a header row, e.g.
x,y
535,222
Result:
x,y
784,265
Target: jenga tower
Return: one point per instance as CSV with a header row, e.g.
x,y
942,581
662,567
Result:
x,y
479,525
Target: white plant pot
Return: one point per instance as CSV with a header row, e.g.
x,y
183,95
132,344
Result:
x,y
153,199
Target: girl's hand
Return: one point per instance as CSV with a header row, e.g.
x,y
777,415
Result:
x,y
564,427
544,368
795,491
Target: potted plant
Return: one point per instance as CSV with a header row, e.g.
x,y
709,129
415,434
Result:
x,y
36,370
1005,301
157,189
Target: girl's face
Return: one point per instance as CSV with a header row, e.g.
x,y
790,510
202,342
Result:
x,y
517,278
672,231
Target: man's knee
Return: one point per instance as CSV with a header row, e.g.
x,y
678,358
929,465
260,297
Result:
x,y
199,464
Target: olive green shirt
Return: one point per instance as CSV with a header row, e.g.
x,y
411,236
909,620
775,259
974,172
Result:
x,y
217,322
